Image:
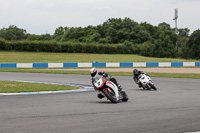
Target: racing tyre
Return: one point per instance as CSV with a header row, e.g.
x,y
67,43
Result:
x,y
110,96
153,86
125,96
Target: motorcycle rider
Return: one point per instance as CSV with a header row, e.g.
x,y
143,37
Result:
x,y
136,74
94,72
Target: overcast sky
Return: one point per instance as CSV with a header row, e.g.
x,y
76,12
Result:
x,y
44,16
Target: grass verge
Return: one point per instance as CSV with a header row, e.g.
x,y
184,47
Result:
x,y
14,87
168,75
45,57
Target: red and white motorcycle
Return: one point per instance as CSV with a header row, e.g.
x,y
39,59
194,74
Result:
x,y
109,89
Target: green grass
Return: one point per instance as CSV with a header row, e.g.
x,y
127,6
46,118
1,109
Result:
x,y
169,75
175,75
44,57
13,86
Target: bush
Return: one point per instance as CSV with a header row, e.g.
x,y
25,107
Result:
x,y
159,49
2,44
146,49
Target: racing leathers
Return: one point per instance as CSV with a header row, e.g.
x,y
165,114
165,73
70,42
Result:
x,y
110,78
135,77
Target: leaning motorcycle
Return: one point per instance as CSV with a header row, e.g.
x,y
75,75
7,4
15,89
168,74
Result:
x,y
146,82
109,89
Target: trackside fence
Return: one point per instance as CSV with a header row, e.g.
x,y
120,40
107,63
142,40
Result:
x,y
123,64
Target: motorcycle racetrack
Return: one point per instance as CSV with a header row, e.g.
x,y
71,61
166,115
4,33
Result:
x,y
173,108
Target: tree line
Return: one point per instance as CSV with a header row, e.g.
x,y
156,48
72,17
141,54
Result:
x,y
120,35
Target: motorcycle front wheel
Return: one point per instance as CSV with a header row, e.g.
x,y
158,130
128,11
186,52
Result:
x,y
110,96
153,86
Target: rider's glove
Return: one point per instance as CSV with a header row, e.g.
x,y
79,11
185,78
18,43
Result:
x,y
105,75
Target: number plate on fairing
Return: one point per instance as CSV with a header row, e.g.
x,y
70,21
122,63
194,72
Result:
x,y
98,83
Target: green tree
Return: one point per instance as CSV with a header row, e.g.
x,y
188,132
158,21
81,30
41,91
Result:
x,y
93,38
164,26
194,45
165,46
13,33
152,30
46,37
33,37
78,33
183,48
184,32
121,30
143,36
59,32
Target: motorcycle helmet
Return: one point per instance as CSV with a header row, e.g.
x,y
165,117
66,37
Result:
x,y
135,71
93,72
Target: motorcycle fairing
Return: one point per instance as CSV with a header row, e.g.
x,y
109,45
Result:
x,y
114,87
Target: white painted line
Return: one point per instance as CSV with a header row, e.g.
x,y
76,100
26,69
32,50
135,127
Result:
x,y
193,132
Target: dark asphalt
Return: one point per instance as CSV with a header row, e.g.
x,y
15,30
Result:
x,y
174,108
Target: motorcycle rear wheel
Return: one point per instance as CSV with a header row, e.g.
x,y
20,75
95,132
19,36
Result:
x,y
125,96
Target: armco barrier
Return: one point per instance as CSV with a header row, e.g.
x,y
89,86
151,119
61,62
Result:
x,y
122,64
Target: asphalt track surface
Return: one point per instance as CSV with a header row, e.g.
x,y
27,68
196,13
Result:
x,y
174,108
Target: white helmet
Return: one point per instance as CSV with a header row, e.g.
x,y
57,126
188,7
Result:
x,y
93,72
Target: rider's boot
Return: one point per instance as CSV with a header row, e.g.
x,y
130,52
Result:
x,y
120,88
100,96
139,85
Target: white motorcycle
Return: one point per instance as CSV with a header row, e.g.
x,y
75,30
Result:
x,y
146,82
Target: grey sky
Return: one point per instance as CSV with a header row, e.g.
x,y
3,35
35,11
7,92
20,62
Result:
x,y
41,16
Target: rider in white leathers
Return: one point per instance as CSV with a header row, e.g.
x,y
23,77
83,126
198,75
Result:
x,y
136,74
